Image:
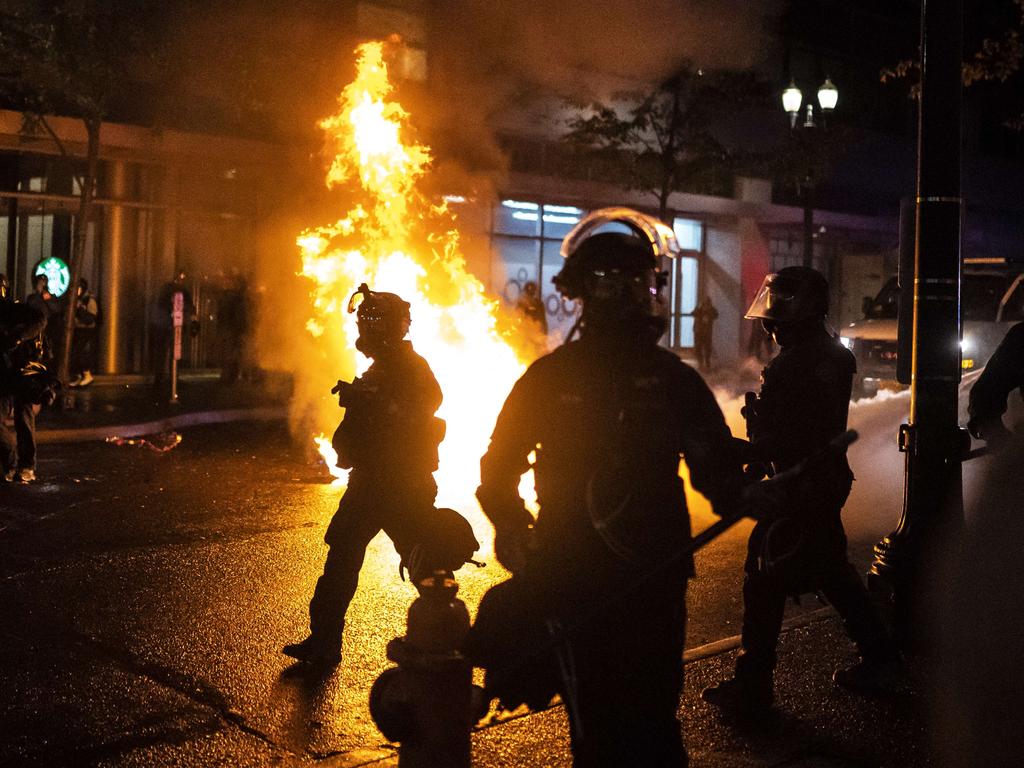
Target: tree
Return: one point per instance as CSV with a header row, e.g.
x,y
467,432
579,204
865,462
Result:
x,y
998,58
666,139
70,57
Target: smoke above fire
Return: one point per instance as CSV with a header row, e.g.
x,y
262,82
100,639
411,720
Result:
x,y
397,239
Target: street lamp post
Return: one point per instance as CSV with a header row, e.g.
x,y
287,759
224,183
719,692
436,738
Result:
x,y
792,100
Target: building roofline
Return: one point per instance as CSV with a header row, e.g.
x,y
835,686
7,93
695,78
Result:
x,y
586,193
120,141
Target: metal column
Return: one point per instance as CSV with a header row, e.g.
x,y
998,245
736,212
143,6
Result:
x,y
906,560
113,263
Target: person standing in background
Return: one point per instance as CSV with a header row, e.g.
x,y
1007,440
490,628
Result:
x,y
531,307
704,317
49,307
83,353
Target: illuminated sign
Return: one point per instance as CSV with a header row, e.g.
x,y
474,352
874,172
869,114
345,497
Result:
x,y
57,273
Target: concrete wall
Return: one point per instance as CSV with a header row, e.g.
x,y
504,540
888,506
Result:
x,y
722,271
756,263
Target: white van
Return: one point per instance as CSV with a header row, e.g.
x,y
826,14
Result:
x,y
991,300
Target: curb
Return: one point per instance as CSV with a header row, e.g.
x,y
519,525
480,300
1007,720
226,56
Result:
x,y
726,644
197,418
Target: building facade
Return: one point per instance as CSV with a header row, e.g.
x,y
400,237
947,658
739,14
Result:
x,y
166,201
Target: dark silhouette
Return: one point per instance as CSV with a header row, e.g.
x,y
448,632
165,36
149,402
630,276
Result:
x,y
1003,373
49,307
531,307
803,405
977,680
608,416
87,319
389,439
704,317
233,320
21,330
759,345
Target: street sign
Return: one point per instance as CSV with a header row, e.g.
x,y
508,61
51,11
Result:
x,y
178,310
177,320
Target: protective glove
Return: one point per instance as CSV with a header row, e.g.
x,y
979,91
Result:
x,y
343,390
990,429
749,411
755,471
511,545
764,501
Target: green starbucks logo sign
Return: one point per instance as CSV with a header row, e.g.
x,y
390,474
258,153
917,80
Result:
x,y
57,272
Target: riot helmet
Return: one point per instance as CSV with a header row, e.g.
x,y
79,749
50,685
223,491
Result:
x,y
615,274
383,320
791,295
789,301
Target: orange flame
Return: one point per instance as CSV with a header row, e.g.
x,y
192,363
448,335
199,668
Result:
x,y
399,241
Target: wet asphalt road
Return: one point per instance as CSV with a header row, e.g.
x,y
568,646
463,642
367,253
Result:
x,y
146,596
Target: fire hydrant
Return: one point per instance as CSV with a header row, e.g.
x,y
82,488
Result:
x,y
428,703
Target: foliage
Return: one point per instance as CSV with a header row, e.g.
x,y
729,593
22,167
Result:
x,y
69,57
666,139
997,59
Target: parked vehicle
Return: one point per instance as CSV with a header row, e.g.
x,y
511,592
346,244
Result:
x,y
991,300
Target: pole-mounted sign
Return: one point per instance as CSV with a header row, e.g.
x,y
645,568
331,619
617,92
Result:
x,y
177,321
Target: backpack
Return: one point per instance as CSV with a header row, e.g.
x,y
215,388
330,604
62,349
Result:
x,y
84,317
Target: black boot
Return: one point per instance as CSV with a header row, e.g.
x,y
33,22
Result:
x,y
741,696
313,652
870,675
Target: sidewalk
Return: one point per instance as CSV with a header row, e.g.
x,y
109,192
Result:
x,y
814,723
126,406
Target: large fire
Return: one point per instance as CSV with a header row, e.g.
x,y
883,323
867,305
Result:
x,y
397,239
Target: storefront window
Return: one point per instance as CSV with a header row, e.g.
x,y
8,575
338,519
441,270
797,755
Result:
x,y
527,237
689,233
513,217
684,281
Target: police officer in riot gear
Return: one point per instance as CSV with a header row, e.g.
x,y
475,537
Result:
x,y
389,439
608,416
803,404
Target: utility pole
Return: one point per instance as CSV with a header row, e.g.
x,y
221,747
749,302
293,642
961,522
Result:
x,y
932,442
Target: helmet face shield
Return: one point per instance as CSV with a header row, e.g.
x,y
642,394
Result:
x,y
616,275
636,288
659,236
790,295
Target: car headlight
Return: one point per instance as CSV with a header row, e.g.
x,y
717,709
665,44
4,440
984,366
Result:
x,y
846,341
966,346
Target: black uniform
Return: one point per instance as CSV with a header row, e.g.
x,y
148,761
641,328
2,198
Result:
x,y
1002,374
21,327
803,404
389,438
608,419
